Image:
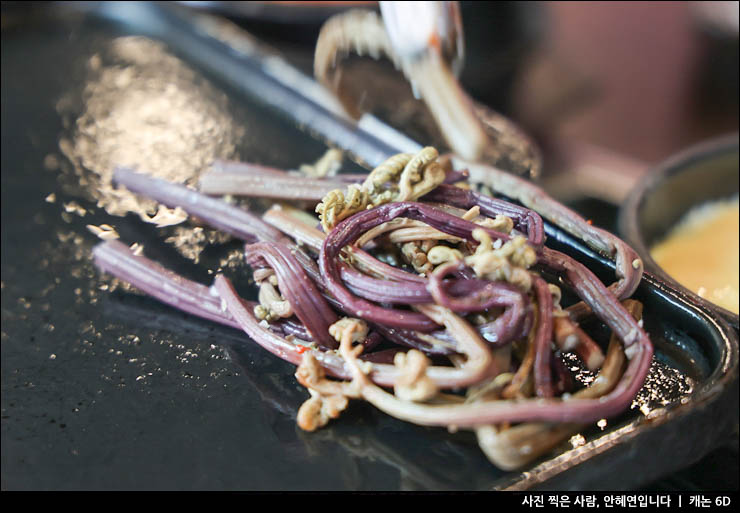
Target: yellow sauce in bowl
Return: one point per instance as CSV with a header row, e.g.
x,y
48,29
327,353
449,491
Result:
x,y
702,253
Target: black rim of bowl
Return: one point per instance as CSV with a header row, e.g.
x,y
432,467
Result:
x,y
628,215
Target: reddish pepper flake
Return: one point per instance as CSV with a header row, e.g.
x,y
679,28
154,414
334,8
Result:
x,y
434,41
300,349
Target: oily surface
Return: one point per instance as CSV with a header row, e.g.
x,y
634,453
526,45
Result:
x,y
103,388
107,389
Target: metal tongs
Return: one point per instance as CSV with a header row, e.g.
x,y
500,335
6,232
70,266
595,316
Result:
x,y
425,40
419,29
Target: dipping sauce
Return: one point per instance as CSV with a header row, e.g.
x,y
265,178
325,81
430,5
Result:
x,y
702,253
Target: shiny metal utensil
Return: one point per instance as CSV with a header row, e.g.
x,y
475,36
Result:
x,y
425,41
419,28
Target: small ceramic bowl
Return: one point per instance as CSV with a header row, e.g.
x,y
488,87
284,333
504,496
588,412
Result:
x,y
703,173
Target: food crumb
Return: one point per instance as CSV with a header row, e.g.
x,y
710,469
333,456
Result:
x,y
104,231
51,162
73,206
577,440
167,217
137,249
